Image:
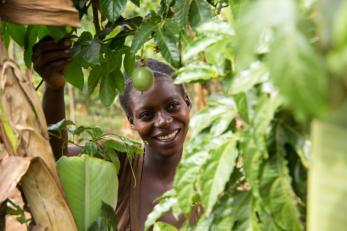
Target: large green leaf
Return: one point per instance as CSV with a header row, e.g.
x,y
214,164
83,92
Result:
x,y
276,190
216,173
159,209
16,32
143,33
168,47
160,226
94,78
195,73
185,179
108,88
257,73
199,12
91,52
298,72
327,192
88,182
112,8
199,46
182,8
74,74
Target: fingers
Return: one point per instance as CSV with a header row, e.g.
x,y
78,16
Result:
x,y
45,46
51,57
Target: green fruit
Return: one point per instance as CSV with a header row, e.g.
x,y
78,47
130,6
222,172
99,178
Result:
x,y
142,78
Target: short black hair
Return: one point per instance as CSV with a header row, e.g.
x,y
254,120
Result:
x,y
159,69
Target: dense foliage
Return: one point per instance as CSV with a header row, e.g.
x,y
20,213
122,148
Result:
x,y
280,64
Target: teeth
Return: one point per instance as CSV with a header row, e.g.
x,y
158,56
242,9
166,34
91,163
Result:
x,y
167,137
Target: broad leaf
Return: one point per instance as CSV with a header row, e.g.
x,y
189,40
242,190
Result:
x,y
300,78
112,8
87,183
328,170
91,52
158,210
74,74
257,73
216,173
16,32
195,73
198,46
182,8
168,47
161,226
108,89
200,12
94,78
143,33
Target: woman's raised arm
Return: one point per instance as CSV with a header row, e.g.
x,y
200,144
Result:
x,y
50,60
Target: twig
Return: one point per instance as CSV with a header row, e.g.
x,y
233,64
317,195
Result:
x,y
95,16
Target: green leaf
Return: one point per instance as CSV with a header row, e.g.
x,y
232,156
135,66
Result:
x,y
158,210
74,74
216,27
298,72
91,52
257,73
136,2
83,179
120,82
143,33
217,171
94,78
108,89
276,189
112,8
200,11
129,63
172,29
161,226
90,148
113,60
16,32
168,47
182,8
107,221
194,73
185,179
328,170
56,32
198,46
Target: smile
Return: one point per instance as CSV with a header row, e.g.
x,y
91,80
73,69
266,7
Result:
x,y
168,137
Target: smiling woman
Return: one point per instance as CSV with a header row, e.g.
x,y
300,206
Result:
x,y
160,115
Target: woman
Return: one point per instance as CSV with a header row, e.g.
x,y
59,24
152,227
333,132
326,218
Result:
x,y
159,115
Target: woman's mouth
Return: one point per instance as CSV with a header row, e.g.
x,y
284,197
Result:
x,y
169,137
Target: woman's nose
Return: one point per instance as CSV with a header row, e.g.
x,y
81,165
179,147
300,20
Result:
x,y
163,119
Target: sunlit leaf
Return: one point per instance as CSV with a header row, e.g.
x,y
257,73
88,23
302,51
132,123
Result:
x,y
83,179
112,8
168,47
108,89
182,8
199,46
216,173
74,74
199,12
143,33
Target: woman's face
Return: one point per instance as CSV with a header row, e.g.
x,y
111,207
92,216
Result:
x,y
161,116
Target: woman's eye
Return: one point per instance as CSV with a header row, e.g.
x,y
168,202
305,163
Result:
x,y
146,116
173,106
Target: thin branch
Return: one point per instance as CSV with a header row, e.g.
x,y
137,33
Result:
x,y
95,16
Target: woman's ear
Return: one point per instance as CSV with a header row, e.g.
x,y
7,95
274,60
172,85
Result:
x,y
188,102
131,121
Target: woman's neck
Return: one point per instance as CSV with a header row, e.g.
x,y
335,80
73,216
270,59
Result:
x,y
161,166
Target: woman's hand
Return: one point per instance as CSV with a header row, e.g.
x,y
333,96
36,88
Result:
x,y
50,60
